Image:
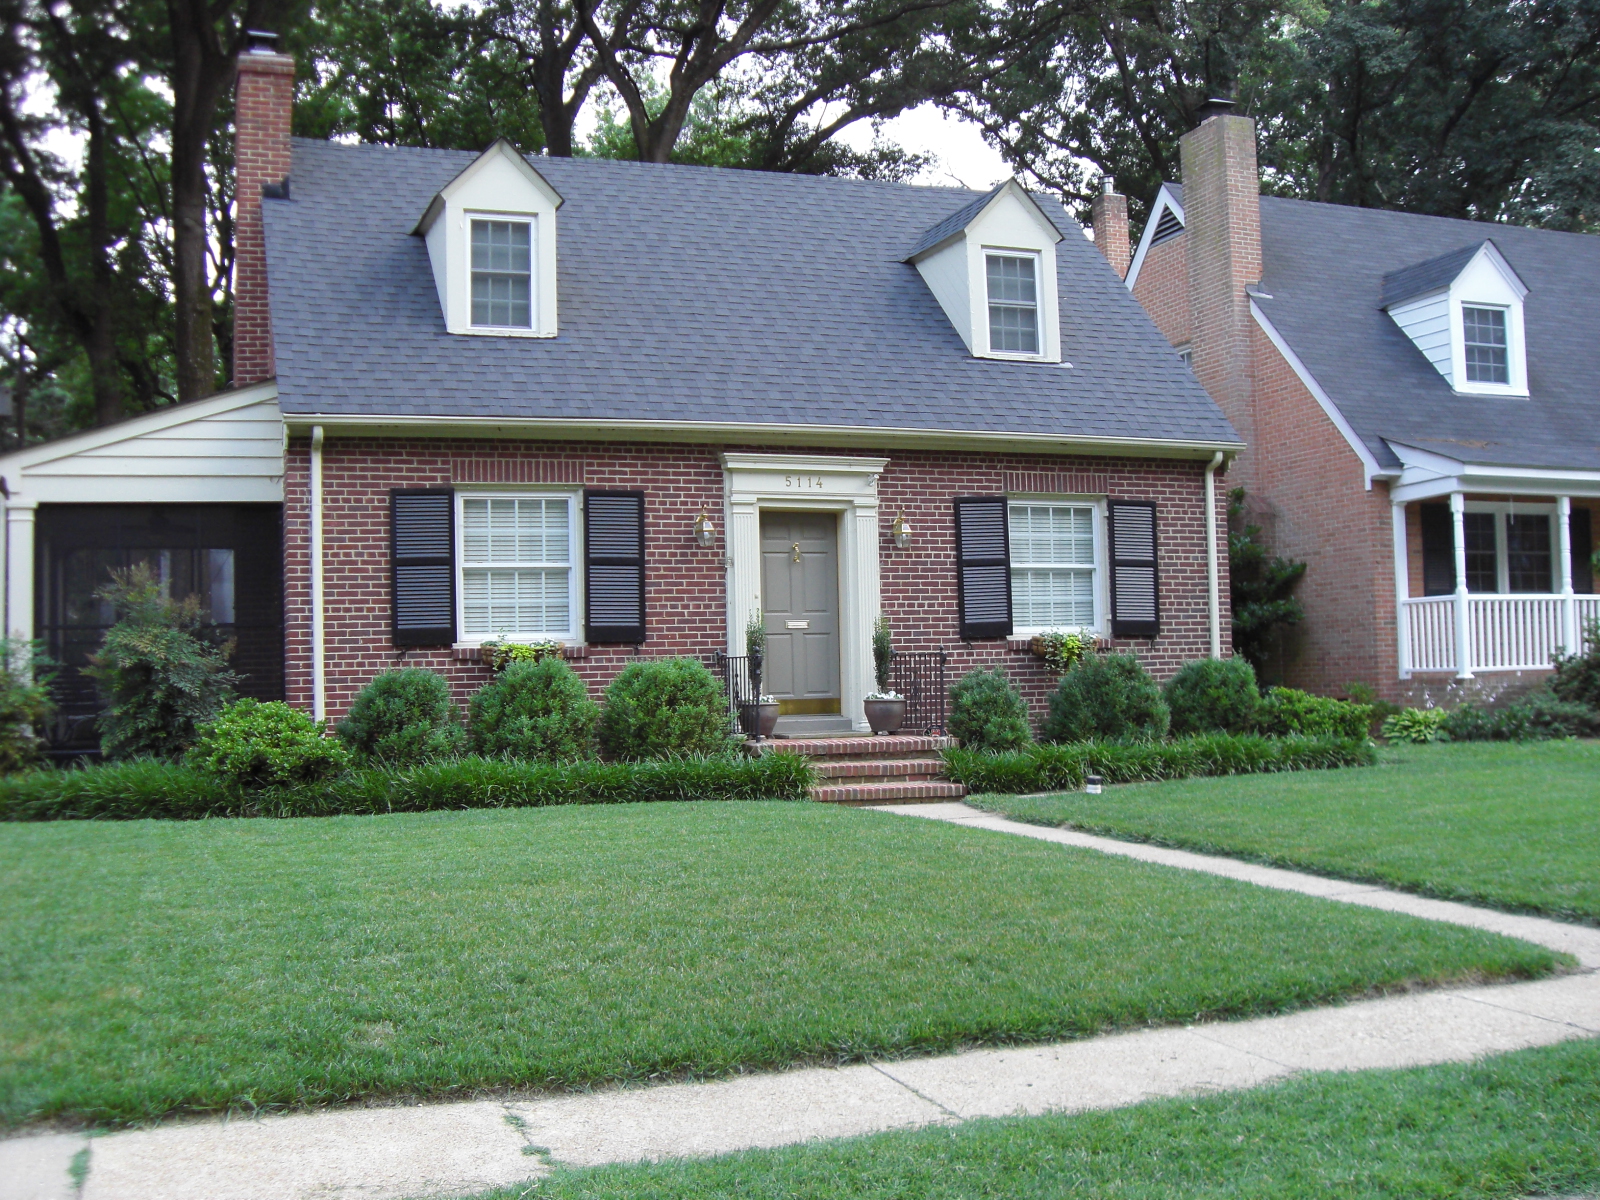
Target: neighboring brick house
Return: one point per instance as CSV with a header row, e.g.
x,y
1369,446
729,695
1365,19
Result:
x,y
627,407
1417,397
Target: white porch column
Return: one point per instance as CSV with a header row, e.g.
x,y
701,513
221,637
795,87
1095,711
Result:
x,y
860,561
1458,509
744,569
20,513
1402,588
1569,604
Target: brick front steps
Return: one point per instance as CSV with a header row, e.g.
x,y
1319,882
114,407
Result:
x,y
872,770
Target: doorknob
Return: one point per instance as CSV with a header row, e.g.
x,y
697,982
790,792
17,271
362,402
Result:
x,y
797,552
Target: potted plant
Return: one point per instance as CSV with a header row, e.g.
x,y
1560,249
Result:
x,y
757,719
1062,651
886,709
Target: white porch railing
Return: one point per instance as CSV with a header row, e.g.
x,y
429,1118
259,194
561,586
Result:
x,y
1504,632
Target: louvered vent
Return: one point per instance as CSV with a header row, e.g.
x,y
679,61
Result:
x,y
613,539
1167,227
1135,590
983,567
422,566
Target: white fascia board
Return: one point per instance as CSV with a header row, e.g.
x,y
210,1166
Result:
x,y
143,424
1490,252
1428,475
1165,200
1370,468
562,429
501,149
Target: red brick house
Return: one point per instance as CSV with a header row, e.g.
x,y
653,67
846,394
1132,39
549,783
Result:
x,y
626,407
1418,401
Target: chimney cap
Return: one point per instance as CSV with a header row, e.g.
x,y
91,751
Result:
x,y
1108,185
260,41
1215,106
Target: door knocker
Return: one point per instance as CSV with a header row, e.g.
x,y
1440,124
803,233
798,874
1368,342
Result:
x,y
797,552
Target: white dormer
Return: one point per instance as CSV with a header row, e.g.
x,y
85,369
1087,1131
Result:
x,y
1463,310
992,267
491,236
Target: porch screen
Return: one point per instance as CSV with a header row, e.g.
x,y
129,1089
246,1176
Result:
x,y
1135,607
1582,550
613,557
983,567
422,566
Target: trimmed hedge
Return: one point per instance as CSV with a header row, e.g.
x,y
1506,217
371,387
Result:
x,y
987,712
1061,768
1213,695
146,788
1289,711
1106,696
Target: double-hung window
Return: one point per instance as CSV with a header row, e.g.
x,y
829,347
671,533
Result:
x,y
1013,303
502,273
517,576
1054,566
1484,335
1510,550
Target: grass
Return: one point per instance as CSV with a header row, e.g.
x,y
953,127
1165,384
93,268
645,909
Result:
x,y
1509,825
153,967
1517,1125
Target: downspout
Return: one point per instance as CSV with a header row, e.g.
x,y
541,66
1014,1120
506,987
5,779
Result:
x,y
1213,590
319,706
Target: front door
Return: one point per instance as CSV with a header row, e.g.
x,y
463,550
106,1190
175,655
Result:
x,y
800,597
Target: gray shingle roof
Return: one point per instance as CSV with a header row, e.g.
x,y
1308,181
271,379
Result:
x,y
690,293
1325,266
1431,275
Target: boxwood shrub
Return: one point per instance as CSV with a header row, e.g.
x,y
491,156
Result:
x,y
1057,768
253,744
666,708
1213,695
536,710
1107,696
404,717
148,788
987,712
1287,711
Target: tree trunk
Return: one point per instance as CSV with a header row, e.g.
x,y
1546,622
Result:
x,y
105,374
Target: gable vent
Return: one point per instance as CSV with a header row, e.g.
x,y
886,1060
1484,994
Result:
x,y
1167,228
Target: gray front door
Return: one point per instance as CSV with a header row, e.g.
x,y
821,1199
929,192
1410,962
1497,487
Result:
x,y
800,597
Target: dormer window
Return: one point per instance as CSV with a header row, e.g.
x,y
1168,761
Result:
x,y
1013,304
1463,311
991,265
1484,334
491,239
502,273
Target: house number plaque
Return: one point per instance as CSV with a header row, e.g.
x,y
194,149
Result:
x,y
804,482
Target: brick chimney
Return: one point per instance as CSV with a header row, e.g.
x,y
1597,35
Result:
x,y
1222,229
1110,223
263,103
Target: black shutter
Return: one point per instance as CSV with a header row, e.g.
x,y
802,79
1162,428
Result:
x,y
1438,549
1135,591
983,567
1582,549
422,566
613,560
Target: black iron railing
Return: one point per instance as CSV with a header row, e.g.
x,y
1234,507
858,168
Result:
x,y
740,684
920,678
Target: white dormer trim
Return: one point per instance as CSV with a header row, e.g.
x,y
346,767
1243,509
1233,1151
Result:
x,y
498,185
956,270
1165,202
1435,325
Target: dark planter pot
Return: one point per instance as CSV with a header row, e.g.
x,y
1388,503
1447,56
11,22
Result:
x,y
886,716
758,720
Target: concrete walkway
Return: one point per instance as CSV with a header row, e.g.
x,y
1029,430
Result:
x,y
458,1148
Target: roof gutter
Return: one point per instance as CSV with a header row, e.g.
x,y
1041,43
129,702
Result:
x,y
746,433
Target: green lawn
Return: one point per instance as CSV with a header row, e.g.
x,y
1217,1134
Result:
x,y
1510,826
1517,1125
148,967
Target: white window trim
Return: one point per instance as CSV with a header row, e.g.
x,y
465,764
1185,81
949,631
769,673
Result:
x,y
531,220
1515,376
574,497
1502,560
1102,583
1039,316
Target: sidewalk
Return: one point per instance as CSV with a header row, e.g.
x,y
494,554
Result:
x,y
458,1148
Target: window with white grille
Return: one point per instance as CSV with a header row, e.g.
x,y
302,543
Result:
x,y
1013,303
502,274
1055,555
1488,352
517,576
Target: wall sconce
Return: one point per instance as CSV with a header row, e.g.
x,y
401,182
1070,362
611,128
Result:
x,y
900,531
705,533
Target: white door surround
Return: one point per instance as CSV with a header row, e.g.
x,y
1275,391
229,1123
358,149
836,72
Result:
x,y
845,484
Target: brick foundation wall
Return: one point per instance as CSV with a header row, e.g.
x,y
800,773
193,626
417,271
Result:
x,y
686,588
